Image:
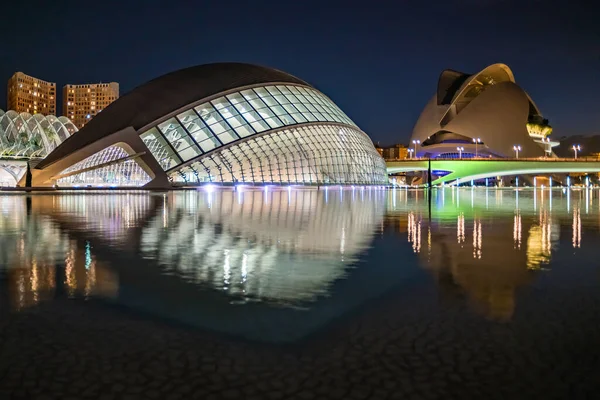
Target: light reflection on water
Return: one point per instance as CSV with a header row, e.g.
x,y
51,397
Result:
x,y
492,242
195,255
277,246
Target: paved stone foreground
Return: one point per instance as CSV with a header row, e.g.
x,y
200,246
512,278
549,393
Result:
x,y
404,346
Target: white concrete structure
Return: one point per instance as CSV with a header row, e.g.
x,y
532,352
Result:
x,y
486,113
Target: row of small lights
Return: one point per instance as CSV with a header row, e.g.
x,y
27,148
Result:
x,y
211,187
575,148
460,149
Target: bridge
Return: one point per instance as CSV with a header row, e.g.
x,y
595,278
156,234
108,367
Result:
x,y
465,170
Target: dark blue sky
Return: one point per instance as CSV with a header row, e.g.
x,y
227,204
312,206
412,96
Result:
x,y
378,60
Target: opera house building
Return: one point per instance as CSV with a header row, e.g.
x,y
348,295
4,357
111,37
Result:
x,y
484,114
220,123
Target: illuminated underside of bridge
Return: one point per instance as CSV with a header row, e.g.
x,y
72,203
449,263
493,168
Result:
x,y
461,171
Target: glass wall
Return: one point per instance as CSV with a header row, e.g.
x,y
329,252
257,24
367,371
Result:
x,y
457,155
276,134
227,119
124,173
307,155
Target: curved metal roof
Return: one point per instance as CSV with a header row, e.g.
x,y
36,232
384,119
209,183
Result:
x,y
166,94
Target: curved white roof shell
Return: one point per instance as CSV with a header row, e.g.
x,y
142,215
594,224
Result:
x,y
487,107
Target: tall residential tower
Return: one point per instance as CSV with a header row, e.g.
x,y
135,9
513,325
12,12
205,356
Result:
x,y
82,102
31,95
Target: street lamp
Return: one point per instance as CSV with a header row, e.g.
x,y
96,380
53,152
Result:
x,y
576,148
410,151
416,142
476,141
460,150
517,148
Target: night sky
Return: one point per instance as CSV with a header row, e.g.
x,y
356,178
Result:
x,y
379,61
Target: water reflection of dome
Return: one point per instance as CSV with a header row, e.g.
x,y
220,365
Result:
x,y
286,246
108,218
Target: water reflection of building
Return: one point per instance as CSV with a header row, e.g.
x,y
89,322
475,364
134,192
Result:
x,y
38,261
540,241
576,227
486,267
78,275
283,245
488,261
287,245
110,217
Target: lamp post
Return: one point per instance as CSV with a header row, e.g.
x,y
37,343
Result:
x,y
476,141
460,150
576,148
517,148
410,151
416,142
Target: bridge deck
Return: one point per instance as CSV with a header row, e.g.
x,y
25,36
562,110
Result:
x,y
465,170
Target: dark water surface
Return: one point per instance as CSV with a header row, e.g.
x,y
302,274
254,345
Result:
x,y
299,293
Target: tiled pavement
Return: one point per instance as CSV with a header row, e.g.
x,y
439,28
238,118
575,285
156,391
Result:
x,y
413,347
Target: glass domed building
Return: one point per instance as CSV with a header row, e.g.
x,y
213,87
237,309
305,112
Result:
x,y
32,136
24,136
219,123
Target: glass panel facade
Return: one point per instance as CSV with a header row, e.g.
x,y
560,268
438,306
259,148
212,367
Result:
x,y
305,155
179,139
125,173
160,149
227,119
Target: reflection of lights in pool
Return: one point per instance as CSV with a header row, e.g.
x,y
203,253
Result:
x,y
88,255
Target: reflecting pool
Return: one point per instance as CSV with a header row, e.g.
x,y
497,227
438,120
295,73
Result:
x,y
293,259
472,292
